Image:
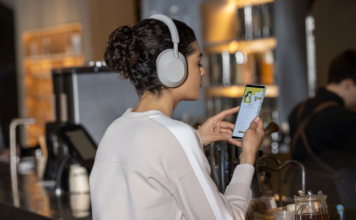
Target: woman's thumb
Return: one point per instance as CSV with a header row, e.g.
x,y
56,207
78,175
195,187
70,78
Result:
x,y
259,129
255,123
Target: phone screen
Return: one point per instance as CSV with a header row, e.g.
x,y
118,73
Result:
x,y
249,109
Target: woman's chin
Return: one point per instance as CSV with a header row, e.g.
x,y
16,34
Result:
x,y
193,98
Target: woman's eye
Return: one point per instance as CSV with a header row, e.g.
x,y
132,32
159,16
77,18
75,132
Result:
x,y
200,65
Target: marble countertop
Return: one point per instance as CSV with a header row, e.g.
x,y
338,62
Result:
x,y
38,201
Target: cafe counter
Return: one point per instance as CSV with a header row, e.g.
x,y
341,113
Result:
x,y
38,201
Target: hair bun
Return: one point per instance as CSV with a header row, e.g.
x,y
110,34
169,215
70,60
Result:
x,y
122,50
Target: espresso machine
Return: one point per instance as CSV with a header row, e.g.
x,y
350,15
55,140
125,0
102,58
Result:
x,y
85,105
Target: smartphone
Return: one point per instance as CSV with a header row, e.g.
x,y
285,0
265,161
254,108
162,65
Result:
x,y
249,109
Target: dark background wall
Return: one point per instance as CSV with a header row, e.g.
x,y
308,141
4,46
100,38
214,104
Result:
x,y
335,30
8,85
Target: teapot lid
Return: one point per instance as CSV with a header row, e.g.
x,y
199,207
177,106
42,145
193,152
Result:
x,y
310,197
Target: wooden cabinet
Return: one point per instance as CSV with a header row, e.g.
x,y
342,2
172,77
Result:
x,y
46,49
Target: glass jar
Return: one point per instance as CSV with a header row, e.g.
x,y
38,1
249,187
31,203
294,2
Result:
x,y
311,207
284,215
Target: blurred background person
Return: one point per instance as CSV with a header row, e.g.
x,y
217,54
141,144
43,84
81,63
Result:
x,y
323,131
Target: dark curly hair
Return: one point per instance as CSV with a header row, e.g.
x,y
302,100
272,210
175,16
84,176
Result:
x,y
132,52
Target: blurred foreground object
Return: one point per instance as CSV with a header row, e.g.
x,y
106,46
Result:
x,y
13,158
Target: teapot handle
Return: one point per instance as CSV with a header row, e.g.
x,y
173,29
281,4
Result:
x,y
300,208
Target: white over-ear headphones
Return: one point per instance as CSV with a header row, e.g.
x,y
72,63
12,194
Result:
x,y
171,65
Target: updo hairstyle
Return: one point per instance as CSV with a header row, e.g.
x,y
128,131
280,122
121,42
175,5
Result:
x,y
132,52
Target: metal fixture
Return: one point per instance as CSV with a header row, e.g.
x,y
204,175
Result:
x,y
63,163
278,163
13,158
281,167
310,39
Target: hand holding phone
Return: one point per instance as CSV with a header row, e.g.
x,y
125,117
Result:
x,y
252,141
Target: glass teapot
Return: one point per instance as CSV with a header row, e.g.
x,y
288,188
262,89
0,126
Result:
x,y
311,207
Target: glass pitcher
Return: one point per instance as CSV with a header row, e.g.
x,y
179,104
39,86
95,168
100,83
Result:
x,y
311,207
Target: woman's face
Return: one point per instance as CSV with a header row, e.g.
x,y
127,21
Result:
x,y
190,89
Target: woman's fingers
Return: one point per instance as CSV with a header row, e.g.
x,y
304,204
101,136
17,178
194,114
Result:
x,y
220,136
227,112
227,131
225,124
224,136
235,142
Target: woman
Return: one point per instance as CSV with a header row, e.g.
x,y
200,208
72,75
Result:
x,y
149,166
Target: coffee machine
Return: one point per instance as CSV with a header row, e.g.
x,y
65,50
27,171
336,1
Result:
x,y
88,99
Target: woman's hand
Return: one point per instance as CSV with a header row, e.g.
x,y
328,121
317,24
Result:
x,y
251,141
214,129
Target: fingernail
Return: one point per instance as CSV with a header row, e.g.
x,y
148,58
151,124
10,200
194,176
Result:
x,y
257,119
227,137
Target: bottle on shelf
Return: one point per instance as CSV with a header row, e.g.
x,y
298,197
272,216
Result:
x,y
254,22
267,68
266,12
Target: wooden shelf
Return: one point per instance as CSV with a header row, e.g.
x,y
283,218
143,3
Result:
x,y
253,46
65,28
41,97
59,56
237,91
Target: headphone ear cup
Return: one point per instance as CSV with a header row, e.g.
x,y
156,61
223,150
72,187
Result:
x,y
171,70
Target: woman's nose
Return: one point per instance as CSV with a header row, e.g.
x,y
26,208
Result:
x,y
202,71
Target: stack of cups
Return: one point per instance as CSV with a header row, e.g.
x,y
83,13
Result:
x,y
79,191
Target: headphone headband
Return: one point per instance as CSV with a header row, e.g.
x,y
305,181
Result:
x,y
170,64
172,28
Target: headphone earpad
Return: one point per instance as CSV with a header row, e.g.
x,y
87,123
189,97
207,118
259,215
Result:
x,y
171,70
